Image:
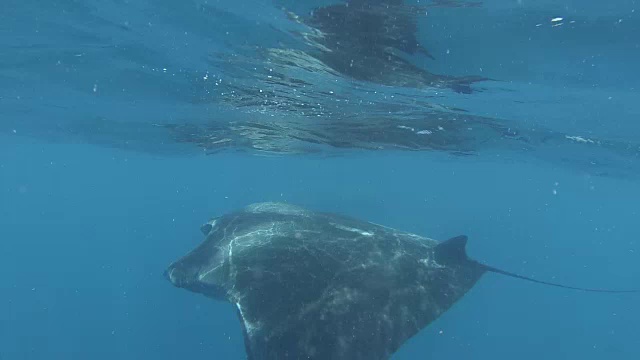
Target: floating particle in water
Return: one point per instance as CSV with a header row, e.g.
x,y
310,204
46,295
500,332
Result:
x,y
557,21
579,139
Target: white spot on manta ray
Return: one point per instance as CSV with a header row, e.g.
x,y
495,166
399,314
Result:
x,y
247,325
430,263
346,228
278,208
204,274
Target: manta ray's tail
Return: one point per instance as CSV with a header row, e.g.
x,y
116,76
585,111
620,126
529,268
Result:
x,y
454,251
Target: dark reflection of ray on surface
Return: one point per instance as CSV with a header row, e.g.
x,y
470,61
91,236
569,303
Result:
x,y
368,41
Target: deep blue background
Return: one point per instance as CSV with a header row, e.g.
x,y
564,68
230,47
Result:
x,y
86,231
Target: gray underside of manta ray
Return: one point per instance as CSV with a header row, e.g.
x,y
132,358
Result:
x,y
311,285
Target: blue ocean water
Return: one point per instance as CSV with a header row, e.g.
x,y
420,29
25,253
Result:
x,y
95,203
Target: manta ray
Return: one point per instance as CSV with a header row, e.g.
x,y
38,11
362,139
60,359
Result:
x,y
316,285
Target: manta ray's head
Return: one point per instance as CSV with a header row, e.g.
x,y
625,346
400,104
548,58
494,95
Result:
x,y
202,270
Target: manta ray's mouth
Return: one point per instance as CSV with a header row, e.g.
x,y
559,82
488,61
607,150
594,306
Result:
x,y
181,279
175,277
